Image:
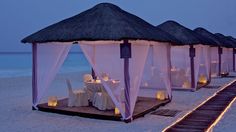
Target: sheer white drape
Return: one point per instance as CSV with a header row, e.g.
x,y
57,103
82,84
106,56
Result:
x,y
156,74
214,61
203,61
226,60
104,57
198,63
50,57
230,59
181,65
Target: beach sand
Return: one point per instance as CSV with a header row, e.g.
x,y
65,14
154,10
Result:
x,y
16,114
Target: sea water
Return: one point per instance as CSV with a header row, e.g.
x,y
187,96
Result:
x,y
20,64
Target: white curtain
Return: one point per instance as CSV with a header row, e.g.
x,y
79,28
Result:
x,y
50,57
180,67
198,63
202,61
156,74
214,61
104,57
225,60
207,59
230,59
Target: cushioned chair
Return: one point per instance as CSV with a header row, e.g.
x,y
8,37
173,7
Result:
x,y
103,101
88,78
77,97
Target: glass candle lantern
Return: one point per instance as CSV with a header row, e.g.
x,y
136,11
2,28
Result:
x,y
117,111
52,101
160,95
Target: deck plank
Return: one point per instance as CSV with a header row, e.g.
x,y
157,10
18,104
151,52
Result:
x,y
201,118
143,106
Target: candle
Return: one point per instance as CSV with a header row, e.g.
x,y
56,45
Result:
x,y
52,101
160,95
98,81
117,111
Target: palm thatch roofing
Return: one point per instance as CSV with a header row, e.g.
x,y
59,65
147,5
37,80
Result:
x,y
233,40
104,21
214,39
226,41
184,35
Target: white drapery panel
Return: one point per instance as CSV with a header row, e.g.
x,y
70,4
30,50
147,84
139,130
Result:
x,y
50,57
227,60
104,57
230,59
180,67
156,74
203,61
214,61
198,59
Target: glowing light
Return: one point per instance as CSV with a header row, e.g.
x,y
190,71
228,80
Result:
x,y
98,81
202,79
214,62
160,95
178,120
145,84
117,111
115,81
105,77
52,101
186,84
220,116
224,74
173,69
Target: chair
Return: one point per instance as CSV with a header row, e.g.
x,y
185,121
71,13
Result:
x,y
103,101
88,78
76,98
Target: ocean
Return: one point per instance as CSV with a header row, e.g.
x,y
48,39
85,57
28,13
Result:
x,y
20,64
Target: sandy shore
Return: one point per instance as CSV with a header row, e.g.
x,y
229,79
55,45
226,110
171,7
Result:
x,y
17,116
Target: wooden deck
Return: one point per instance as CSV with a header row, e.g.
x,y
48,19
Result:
x,y
143,106
205,115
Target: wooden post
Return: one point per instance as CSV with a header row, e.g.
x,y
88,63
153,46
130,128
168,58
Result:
x,y
34,75
125,52
192,55
219,55
127,88
93,74
234,52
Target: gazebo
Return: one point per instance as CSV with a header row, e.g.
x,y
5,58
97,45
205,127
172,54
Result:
x,y
116,44
215,51
234,51
190,60
227,54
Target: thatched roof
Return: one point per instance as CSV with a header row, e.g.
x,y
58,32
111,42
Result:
x,y
214,39
104,21
233,40
226,42
184,35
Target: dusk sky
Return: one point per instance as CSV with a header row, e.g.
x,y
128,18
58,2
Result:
x,y
19,18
